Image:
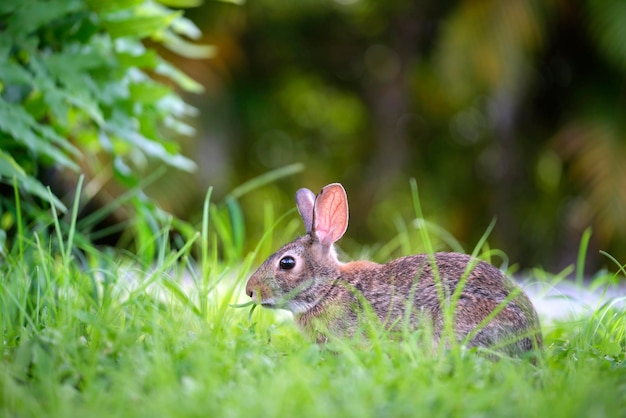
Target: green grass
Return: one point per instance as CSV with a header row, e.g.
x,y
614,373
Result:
x,y
88,333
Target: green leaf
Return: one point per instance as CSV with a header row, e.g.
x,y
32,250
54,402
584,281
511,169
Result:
x,y
12,73
103,6
139,57
15,121
180,25
178,126
181,3
10,169
148,92
173,105
33,14
180,78
122,127
72,82
77,69
63,82
7,7
131,25
75,61
184,26
186,49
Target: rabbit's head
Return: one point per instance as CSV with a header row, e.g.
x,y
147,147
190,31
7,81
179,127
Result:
x,y
300,273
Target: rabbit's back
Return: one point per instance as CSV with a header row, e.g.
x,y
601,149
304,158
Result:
x,y
486,293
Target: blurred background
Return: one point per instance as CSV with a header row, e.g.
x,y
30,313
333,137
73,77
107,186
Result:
x,y
513,110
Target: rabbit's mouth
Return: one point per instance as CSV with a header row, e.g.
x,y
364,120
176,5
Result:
x,y
269,303
281,304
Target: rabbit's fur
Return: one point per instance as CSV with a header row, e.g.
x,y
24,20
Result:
x,y
327,296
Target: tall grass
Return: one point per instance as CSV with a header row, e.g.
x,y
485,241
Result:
x,y
91,333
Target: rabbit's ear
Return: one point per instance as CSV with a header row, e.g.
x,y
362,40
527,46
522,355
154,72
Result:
x,y
305,199
330,214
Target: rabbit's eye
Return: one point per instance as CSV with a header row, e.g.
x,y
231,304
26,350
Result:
x,y
287,263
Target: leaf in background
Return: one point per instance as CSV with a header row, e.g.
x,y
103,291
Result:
x,y
137,26
178,126
63,83
7,7
173,105
139,57
10,169
180,78
77,69
48,133
148,91
184,26
12,73
180,3
186,49
54,97
181,25
75,62
33,14
122,127
123,173
103,6
15,121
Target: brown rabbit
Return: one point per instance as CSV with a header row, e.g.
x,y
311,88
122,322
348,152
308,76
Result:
x,y
326,295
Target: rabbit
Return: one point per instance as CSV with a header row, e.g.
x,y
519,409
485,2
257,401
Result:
x,y
327,296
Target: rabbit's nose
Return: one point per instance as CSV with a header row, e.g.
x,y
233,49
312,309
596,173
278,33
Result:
x,y
253,289
250,289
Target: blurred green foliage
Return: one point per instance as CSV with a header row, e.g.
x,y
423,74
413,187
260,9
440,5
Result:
x,y
83,91
511,110
508,110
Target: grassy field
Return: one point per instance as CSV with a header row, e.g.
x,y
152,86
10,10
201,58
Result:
x,y
88,333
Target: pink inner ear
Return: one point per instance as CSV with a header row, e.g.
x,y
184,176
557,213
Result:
x,y
331,214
